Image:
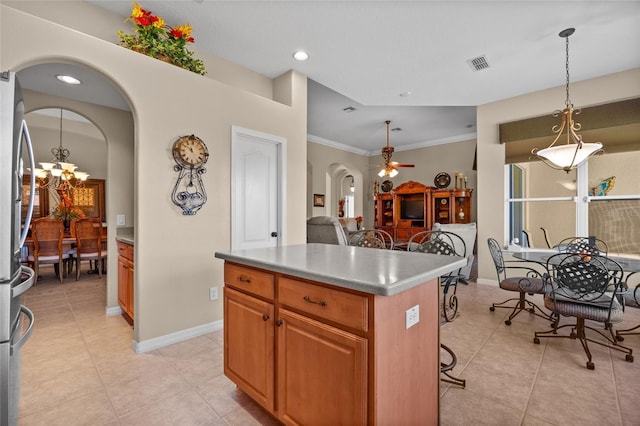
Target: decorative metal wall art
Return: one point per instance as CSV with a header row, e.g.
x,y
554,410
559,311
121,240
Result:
x,y
190,154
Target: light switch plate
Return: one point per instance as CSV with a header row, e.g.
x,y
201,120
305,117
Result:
x,y
412,316
120,220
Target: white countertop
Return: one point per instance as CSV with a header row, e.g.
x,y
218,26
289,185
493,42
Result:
x,y
382,272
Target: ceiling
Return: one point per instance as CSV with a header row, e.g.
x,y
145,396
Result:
x,y
371,54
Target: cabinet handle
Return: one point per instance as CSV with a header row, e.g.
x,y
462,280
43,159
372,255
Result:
x,y
320,302
265,317
244,279
278,323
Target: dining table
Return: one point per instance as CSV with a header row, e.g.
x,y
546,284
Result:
x,y
630,263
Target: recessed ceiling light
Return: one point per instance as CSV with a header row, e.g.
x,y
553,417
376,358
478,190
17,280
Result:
x,y
300,55
405,94
396,129
68,79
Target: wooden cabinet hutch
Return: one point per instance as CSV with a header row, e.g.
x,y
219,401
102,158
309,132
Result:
x,y
413,207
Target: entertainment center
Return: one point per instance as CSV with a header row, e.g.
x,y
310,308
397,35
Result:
x,y
413,207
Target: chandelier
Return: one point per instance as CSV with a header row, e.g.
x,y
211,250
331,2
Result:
x,y
571,154
59,173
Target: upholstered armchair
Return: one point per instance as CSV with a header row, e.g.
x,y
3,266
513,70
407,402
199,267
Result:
x,y
467,232
326,230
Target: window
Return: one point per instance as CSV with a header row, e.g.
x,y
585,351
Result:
x,y
575,204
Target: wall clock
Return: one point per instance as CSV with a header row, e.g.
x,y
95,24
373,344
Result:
x,y
190,154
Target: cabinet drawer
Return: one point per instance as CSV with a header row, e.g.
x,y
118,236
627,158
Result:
x,y
125,250
249,280
344,308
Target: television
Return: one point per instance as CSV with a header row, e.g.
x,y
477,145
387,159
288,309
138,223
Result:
x,y
412,209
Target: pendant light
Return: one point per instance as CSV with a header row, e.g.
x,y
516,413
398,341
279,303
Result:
x,y
571,154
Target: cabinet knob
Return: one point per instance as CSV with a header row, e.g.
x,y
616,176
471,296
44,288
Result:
x,y
265,317
244,279
274,234
278,323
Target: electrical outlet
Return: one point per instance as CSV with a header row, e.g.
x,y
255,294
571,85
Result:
x,y
120,220
213,293
412,316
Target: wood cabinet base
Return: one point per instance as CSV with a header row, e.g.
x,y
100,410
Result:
x,y
302,353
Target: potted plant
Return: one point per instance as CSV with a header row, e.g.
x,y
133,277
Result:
x,y
153,37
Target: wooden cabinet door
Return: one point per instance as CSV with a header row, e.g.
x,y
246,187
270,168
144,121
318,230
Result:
x,y
322,373
129,289
122,283
249,345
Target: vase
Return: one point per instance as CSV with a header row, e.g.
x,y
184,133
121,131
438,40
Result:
x,y
67,227
359,226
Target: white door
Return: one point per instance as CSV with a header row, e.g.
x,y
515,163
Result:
x,y
256,189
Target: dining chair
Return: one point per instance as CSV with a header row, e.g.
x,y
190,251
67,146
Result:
x,y
546,236
371,238
585,288
583,245
518,276
444,243
47,234
631,297
526,240
448,244
89,244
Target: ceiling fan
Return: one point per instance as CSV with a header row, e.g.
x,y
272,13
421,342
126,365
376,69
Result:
x,y
390,168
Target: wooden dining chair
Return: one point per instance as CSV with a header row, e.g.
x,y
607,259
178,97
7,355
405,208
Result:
x,y
89,244
47,234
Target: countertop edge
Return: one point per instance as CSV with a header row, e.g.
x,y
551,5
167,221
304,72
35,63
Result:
x,y
364,286
127,239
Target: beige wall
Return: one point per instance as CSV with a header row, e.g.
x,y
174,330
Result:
x,y
325,166
174,263
491,196
429,162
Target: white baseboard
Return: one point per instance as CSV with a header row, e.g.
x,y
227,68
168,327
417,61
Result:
x,y
178,336
485,281
114,311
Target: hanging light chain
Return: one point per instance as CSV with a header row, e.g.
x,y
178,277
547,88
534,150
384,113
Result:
x,y
567,102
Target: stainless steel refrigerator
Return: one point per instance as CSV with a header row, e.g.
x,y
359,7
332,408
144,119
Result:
x,y
15,278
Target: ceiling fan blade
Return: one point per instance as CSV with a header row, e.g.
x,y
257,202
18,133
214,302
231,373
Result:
x,y
396,164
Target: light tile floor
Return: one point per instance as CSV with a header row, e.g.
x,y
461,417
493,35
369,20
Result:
x,y
78,368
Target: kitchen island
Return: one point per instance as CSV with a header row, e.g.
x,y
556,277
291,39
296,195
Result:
x,y
328,334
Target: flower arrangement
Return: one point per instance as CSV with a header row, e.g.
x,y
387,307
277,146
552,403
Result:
x,y
153,37
65,210
359,219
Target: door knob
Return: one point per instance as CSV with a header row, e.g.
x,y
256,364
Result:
x,y
274,234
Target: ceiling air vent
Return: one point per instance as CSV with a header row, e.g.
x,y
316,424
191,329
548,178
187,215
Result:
x,y
349,109
478,63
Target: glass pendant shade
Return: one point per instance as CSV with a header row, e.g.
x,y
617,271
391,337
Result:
x,y
570,155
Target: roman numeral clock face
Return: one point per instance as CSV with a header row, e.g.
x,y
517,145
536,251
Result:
x,y
190,151
190,154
